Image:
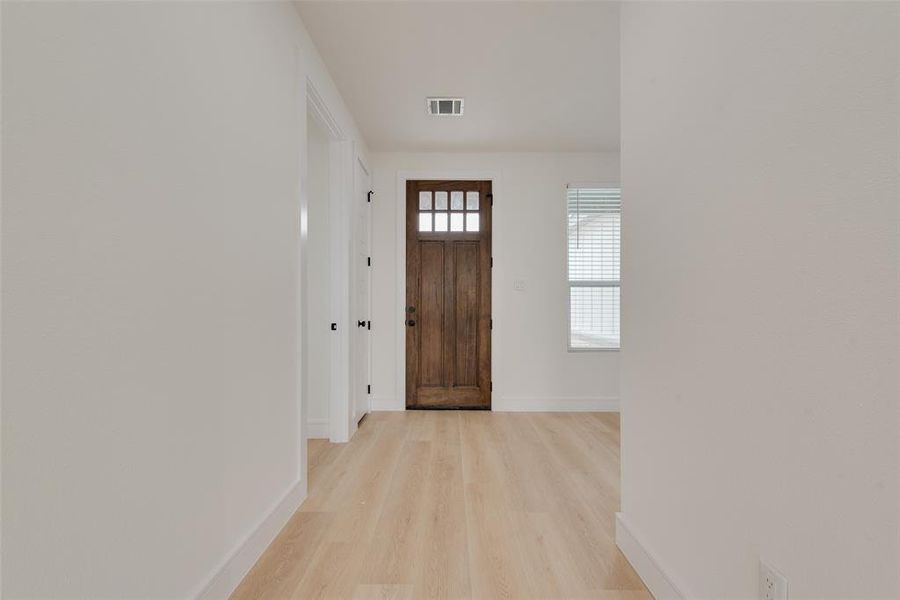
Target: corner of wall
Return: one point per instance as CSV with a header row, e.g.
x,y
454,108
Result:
x,y
225,579
645,562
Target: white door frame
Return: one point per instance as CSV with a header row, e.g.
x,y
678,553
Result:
x,y
342,157
361,188
400,291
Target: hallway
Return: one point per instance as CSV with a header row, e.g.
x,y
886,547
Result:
x,y
456,505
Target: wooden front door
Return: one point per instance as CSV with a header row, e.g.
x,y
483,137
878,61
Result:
x,y
448,294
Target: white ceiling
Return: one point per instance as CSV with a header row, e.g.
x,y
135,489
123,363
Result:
x,y
536,76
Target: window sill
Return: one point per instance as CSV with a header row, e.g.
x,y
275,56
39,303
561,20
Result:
x,y
578,350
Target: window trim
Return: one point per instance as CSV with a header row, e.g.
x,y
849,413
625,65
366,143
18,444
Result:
x,y
589,282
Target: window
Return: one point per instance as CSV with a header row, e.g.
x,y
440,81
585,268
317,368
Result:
x,y
594,235
460,217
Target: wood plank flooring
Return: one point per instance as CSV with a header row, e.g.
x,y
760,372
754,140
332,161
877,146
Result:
x,y
456,505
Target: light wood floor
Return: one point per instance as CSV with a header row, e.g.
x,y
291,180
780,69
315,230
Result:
x,y
456,505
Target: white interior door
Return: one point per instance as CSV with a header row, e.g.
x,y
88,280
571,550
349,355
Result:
x,y
361,288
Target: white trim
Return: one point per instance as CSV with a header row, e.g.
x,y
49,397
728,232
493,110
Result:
x,y
361,186
342,182
320,110
317,429
645,562
400,291
364,164
510,404
301,85
340,154
386,404
229,574
557,404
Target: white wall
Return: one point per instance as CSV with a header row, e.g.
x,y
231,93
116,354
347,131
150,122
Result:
x,y
761,255
152,159
532,368
319,305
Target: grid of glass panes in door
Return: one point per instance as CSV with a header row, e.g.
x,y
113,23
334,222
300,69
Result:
x,y
454,211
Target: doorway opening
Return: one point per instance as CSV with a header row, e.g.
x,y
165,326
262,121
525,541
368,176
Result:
x,y
448,294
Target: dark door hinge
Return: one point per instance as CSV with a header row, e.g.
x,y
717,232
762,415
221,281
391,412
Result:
x,y
369,261
492,323
491,198
369,196
492,386
369,389
492,262
368,324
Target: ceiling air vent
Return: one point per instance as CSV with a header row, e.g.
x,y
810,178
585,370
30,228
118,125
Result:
x,y
445,106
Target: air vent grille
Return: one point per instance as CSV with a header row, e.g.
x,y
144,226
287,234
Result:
x,y
445,107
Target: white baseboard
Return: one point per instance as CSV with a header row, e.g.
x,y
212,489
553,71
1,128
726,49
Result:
x,y
229,574
386,403
508,404
317,428
511,404
645,562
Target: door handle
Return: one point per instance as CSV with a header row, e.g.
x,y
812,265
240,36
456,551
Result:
x,y
360,323
411,323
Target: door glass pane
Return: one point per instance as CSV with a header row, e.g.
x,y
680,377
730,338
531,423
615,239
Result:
x,y
456,200
472,221
424,221
471,200
456,221
424,200
440,221
440,200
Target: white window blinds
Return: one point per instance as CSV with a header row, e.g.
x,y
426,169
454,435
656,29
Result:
x,y
594,240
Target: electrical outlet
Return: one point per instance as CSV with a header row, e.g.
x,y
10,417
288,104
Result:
x,y
772,584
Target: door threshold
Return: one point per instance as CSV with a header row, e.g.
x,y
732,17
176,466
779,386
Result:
x,y
448,408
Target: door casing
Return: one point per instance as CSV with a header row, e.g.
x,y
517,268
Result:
x,y
361,364
465,384
398,401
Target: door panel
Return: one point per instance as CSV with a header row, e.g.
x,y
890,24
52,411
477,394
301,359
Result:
x,y
466,339
361,294
448,313
431,314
